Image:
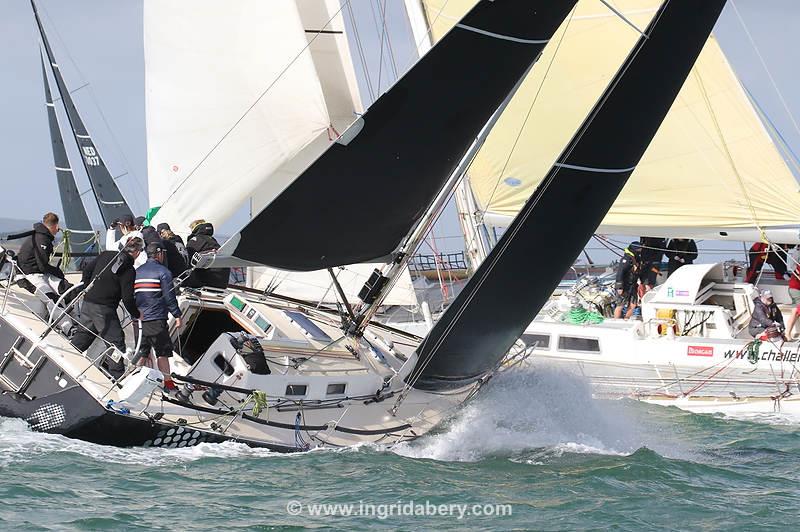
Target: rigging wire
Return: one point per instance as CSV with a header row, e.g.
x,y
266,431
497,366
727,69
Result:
x,y
766,68
728,155
528,114
381,37
361,54
388,36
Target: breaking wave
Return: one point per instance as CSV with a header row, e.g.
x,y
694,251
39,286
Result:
x,y
543,410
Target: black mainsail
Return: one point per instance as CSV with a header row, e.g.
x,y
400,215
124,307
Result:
x,y
109,198
541,243
364,194
75,218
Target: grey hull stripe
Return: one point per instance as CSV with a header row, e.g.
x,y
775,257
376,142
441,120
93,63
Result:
x,y
504,37
598,170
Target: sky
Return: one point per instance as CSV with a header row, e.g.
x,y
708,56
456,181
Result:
x,y
99,47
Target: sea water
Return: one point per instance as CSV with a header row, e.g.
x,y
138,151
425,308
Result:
x,y
533,451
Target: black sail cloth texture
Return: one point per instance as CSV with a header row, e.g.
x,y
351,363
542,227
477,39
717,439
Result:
x,y
75,217
109,198
512,285
362,197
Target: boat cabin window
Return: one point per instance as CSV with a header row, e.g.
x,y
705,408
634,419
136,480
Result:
x,y
574,343
336,389
542,341
203,327
296,389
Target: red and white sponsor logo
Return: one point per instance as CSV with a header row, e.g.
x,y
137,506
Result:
x,y
700,351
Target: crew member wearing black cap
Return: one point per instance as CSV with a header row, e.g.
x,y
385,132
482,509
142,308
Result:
x,y
149,233
175,249
652,252
201,242
110,279
627,284
155,298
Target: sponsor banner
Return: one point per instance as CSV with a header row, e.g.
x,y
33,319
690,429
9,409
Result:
x,y
700,351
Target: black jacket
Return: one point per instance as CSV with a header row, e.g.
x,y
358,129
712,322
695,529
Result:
x,y
652,250
34,254
202,241
150,235
176,261
113,276
628,271
763,316
684,248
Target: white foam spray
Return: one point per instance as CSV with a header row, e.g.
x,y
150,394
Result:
x,y
546,411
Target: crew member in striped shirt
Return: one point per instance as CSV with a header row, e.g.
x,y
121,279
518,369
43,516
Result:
x,y
155,299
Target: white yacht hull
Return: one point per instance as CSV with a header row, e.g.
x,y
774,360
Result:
x,y
45,381
696,374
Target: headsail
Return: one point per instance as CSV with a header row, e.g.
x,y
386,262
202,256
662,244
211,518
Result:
x,y
109,198
232,95
75,218
711,167
363,195
483,322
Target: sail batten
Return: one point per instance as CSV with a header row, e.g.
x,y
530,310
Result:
x,y
75,218
483,323
367,191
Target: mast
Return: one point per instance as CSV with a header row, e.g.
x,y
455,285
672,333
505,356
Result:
x,y
76,221
494,308
109,198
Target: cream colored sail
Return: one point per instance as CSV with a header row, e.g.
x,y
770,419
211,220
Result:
x,y
711,171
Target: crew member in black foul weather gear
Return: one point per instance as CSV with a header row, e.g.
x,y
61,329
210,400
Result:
x,y
627,284
652,251
110,279
680,251
176,251
34,259
202,241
